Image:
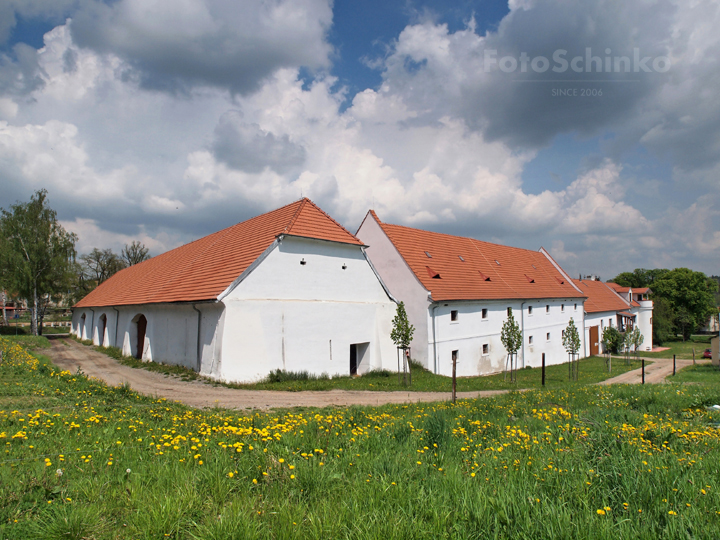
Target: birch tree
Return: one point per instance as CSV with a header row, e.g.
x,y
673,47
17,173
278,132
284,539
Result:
x,y
36,253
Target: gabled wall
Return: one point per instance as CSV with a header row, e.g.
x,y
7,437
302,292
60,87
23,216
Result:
x,y
403,285
304,317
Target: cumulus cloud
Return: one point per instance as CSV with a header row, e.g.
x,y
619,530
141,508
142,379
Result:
x,y
440,144
175,45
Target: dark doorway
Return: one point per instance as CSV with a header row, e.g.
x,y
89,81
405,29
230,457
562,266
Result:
x,y
594,341
353,359
81,329
101,329
141,328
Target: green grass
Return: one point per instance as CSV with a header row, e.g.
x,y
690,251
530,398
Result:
x,y
25,330
30,342
704,373
591,370
682,349
582,462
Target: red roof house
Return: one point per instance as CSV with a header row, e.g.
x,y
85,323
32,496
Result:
x,y
290,289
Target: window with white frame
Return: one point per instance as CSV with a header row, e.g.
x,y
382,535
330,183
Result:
x,y
486,349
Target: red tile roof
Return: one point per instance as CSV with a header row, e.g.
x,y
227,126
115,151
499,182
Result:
x,y
203,269
460,268
601,297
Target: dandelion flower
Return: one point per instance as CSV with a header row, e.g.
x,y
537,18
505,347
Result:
x,y
672,513
601,512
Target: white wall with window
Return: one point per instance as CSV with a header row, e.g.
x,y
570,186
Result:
x,y
475,333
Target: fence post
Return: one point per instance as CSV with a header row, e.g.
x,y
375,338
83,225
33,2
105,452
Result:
x,y
643,371
543,369
673,365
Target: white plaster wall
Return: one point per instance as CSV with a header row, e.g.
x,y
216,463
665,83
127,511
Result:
x,y
402,284
171,335
602,319
470,332
292,316
643,320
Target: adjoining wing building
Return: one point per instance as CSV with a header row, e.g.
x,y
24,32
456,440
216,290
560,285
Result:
x,y
290,289
457,292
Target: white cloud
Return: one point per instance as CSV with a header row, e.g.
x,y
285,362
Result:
x,y
439,144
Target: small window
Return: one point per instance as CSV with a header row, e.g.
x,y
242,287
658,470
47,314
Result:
x,y
497,262
486,348
428,254
509,311
529,310
547,309
484,313
575,307
563,334
548,336
562,307
460,257
530,340
454,315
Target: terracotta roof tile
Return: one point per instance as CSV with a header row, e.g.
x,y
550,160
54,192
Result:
x,y
601,296
203,269
469,269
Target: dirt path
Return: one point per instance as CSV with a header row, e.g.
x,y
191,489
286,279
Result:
x,y
70,355
654,373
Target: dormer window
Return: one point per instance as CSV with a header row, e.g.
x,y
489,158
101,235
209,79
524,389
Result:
x,y
483,276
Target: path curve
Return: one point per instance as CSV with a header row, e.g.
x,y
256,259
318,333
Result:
x,y
657,372
69,355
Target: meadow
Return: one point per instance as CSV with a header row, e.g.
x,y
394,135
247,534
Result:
x,y
84,460
591,370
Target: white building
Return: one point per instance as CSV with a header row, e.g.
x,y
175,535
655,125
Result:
x,y
457,292
290,289
623,308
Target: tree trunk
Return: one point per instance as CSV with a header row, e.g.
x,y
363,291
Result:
x,y
34,315
5,323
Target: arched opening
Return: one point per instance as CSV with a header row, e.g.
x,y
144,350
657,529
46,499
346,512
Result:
x,y
81,327
102,324
139,330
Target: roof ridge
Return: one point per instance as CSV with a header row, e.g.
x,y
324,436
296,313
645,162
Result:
x,y
323,212
459,237
295,215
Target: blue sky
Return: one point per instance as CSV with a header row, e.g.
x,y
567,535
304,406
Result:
x,y
166,121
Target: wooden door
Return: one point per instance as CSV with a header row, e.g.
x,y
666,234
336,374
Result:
x,y
594,340
141,328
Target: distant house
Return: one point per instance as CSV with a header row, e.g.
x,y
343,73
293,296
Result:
x,y
609,304
457,292
290,289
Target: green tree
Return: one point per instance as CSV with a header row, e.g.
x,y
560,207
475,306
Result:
x,y
402,332
663,320
511,338
636,339
36,253
134,253
571,343
690,294
638,278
